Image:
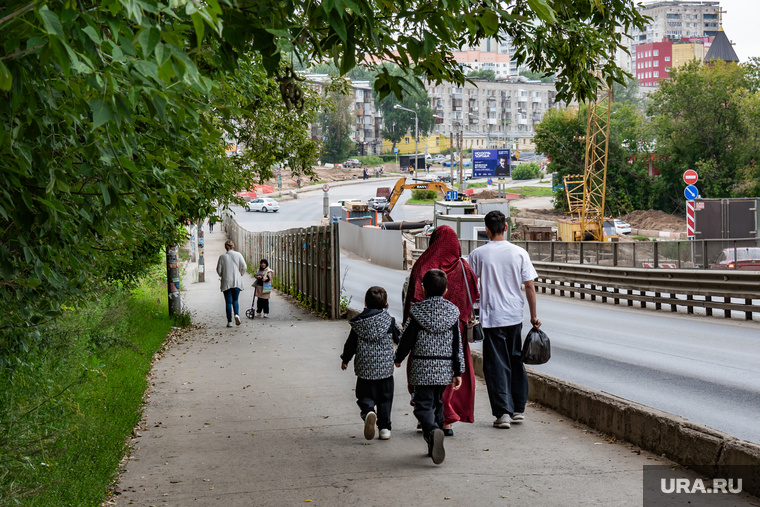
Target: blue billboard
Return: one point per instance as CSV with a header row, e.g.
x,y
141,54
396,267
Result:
x,y
490,163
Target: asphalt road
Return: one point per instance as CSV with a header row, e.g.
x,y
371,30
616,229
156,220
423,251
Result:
x,y
703,368
307,209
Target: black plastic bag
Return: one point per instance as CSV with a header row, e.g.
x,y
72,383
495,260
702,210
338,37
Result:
x,y
537,349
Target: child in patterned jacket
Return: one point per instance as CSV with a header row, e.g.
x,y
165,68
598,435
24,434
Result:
x,y
373,333
431,334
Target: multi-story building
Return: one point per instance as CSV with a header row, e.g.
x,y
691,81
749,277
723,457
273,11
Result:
x,y
671,19
492,114
482,60
690,48
653,62
367,120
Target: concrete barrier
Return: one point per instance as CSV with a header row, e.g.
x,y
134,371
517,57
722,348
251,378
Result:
x,y
704,449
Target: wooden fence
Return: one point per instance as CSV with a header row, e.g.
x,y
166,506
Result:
x,y
306,261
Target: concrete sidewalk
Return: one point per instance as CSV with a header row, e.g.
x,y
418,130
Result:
x,y
262,415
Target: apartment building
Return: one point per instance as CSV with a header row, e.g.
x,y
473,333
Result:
x,y
496,114
653,62
367,120
671,19
485,60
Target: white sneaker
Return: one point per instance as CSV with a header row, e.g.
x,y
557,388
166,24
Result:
x,y
518,417
229,324
266,315
369,425
385,434
237,320
502,422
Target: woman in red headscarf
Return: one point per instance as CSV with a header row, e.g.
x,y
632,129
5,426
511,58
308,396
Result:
x,y
444,253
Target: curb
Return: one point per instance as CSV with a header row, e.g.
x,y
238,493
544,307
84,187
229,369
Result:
x,y
700,447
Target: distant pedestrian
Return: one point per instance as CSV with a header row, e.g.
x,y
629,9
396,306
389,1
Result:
x,y
373,333
231,268
503,268
298,182
365,173
263,288
431,335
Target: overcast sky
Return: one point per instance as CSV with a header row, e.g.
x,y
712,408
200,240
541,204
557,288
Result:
x,y
740,22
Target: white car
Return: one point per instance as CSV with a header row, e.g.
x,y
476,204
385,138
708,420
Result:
x,y
622,227
263,204
437,159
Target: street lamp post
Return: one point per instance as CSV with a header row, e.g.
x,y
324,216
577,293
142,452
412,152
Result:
x,y
416,158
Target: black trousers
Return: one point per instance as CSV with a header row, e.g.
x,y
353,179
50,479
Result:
x,y
428,407
503,369
262,305
376,396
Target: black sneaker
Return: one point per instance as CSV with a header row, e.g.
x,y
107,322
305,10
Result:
x,y
437,452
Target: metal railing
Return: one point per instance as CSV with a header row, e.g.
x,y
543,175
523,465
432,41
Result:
x,y
306,261
690,288
697,254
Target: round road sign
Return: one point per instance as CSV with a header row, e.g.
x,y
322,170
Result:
x,y
325,187
690,177
490,181
690,192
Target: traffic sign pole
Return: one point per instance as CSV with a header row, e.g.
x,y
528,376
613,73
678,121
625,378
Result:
x,y
690,219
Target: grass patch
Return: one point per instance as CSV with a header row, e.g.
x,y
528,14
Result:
x,y
641,238
67,409
421,201
532,191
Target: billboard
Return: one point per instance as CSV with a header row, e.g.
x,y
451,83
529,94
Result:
x,y
490,163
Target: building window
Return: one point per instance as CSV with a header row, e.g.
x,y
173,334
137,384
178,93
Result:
x,y
406,140
656,52
656,73
656,63
667,58
437,141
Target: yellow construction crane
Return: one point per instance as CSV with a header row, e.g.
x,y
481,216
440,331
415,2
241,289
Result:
x,y
586,194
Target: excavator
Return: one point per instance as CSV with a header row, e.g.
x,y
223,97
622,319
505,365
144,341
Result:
x,y
402,185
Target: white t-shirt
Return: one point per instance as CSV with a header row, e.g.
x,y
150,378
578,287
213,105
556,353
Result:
x,y
502,268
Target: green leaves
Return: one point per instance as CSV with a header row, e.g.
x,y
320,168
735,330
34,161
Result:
x,y
542,10
149,39
5,77
101,113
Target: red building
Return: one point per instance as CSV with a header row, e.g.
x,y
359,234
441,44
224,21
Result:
x,y
652,60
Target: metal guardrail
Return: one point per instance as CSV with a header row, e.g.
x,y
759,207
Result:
x,y
306,261
714,289
697,254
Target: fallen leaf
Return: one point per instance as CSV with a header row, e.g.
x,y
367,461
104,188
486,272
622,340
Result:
x,y
447,498
486,449
212,487
307,500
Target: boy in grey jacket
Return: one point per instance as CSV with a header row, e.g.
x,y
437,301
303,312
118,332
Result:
x,y
373,333
431,334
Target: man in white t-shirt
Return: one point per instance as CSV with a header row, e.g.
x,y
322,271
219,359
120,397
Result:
x,y
502,269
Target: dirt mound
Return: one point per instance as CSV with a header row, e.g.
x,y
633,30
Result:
x,y
540,214
655,220
486,194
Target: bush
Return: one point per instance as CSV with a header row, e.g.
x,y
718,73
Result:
x,y
67,409
424,195
371,160
526,171
388,158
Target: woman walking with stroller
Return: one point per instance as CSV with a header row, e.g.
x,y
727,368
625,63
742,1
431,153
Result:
x,y
263,288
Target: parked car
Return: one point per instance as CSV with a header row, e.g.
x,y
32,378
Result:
x,y
437,159
263,204
352,162
622,227
748,258
378,203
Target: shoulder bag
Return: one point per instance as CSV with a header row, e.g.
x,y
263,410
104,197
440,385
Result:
x,y
266,287
474,329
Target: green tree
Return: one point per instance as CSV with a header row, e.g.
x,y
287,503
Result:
x,y
399,123
538,76
486,74
627,93
701,122
338,123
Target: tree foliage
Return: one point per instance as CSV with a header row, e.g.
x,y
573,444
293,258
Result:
x,y
705,119
486,74
398,123
338,123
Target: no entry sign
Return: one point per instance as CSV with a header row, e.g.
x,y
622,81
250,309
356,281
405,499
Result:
x,y
690,177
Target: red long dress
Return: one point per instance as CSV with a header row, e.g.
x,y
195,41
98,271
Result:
x,y
444,253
